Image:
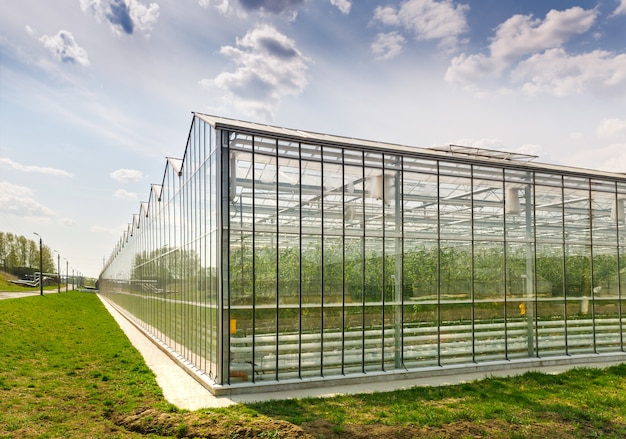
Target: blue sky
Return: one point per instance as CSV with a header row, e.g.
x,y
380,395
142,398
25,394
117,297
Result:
x,y
94,94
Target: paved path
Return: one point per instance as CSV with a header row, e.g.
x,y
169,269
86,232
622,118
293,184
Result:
x,y
25,293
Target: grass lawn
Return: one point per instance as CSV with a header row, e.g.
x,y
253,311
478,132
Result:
x,y
68,371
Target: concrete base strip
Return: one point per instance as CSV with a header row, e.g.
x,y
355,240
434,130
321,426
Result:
x,y
181,383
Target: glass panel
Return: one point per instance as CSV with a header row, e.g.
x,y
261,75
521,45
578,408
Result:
x,y
455,210
412,164
289,196
456,322
333,355
373,298
333,199
332,300
374,194
288,342
607,323
392,206
419,195
241,342
605,217
393,342
576,213
455,280
549,211
241,195
420,269
354,298
579,306
353,200
311,350
457,338
420,333
488,202
520,301
311,353
311,196
489,333
289,306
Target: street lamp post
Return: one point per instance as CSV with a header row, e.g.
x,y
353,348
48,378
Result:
x,y
58,271
40,264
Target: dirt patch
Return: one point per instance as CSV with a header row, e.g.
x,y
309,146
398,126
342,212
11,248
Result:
x,y
202,425
198,425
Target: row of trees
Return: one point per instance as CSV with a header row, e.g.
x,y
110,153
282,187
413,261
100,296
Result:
x,y
19,255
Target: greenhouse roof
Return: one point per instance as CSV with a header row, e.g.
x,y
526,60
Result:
x,y
461,153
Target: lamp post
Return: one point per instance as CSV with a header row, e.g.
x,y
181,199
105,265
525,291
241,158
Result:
x,y
40,264
58,271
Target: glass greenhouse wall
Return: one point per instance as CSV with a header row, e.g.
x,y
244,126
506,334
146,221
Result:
x,y
271,255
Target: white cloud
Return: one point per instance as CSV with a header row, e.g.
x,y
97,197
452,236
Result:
x,y
428,20
68,222
621,9
269,67
64,48
531,51
388,45
466,69
223,6
612,128
8,163
127,175
288,8
556,72
522,34
343,5
273,6
20,200
611,158
125,195
124,16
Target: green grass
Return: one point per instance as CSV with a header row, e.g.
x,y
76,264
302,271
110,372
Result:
x,y
67,370
64,365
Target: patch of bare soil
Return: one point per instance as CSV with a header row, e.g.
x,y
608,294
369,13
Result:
x,y
198,425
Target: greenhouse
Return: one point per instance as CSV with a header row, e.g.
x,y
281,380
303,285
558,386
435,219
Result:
x,y
271,257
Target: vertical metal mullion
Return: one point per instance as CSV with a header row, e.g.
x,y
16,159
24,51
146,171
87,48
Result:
x,y
534,266
204,256
505,265
565,254
438,263
619,277
363,265
253,360
591,266
322,309
184,202
384,264
472,264
343,262
223,287
300,260
400,283
277,289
